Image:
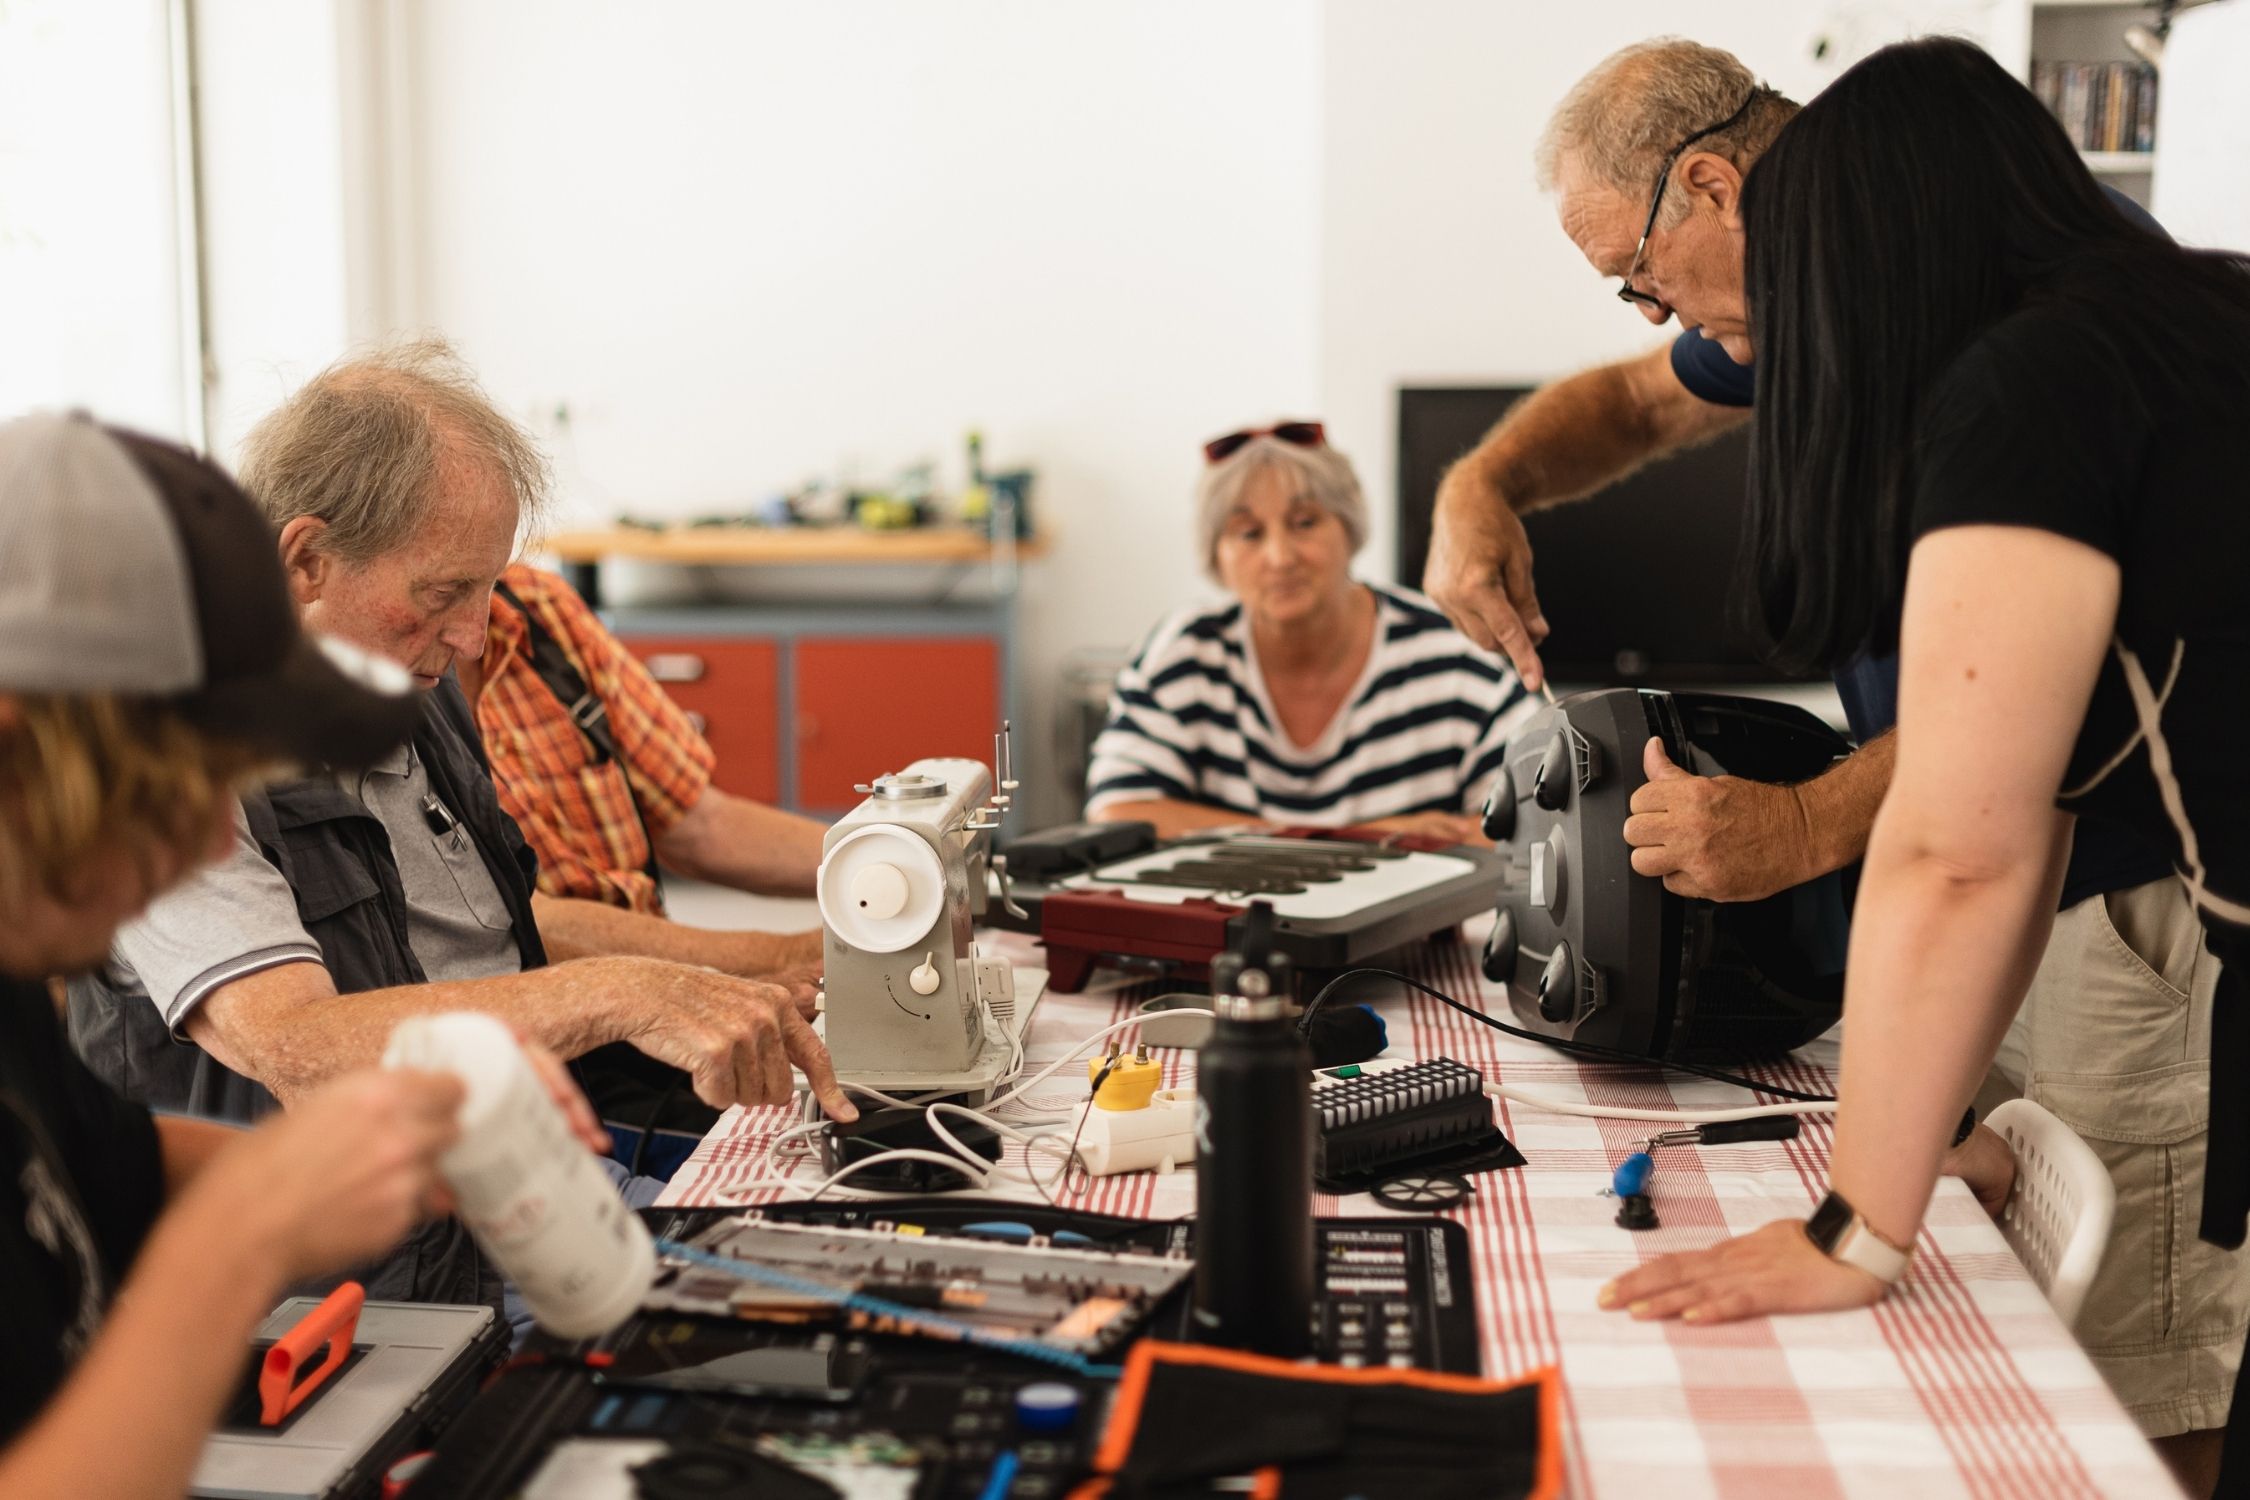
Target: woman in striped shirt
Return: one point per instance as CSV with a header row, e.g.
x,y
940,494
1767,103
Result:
x,y
1312,698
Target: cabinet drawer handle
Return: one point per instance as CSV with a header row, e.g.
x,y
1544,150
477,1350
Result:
x,y
675,666
698,723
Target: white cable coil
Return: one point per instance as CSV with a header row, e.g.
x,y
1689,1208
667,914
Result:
x,y
983,1172
957,1156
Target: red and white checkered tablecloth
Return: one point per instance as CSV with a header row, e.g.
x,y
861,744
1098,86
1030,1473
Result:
x,y
1961,1383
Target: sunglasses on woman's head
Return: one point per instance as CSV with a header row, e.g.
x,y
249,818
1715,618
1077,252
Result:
x,y
1299,434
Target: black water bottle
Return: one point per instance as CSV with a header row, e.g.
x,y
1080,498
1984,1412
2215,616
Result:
x,y
1253,1165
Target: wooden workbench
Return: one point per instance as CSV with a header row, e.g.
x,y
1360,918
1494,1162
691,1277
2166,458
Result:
x,y
771,546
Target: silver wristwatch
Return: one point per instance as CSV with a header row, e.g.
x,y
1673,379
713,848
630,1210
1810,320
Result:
x,y
1842,1235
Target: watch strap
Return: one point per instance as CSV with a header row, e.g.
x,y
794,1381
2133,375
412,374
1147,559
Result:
x,y
1837,1229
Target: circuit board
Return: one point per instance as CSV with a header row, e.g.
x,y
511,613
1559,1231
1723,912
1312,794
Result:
x,y
1078,1301
875,1416
1389,1291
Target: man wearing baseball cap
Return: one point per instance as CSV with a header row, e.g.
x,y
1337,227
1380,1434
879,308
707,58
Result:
x,y
150,664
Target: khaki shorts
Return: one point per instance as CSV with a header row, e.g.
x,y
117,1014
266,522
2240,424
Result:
x,y
2115,1039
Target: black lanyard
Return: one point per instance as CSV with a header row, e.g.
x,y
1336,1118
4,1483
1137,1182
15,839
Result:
x,y
587,711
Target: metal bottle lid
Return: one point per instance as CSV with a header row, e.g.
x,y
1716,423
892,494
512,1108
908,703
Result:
x,y
1252,1008
1240,992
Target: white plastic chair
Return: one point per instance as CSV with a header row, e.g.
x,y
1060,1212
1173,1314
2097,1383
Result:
x,y
2058,1214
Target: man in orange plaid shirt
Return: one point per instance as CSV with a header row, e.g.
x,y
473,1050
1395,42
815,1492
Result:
x,y
605,776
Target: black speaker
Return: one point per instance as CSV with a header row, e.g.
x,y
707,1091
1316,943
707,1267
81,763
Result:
x,y
1592,952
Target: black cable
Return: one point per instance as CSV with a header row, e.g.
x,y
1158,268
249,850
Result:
x,y
1582,1049
1071,1163
648,1132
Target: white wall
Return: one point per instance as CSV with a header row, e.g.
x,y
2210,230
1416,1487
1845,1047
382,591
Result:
x,y
274,189
744,244
2202,185
90,282
1442,262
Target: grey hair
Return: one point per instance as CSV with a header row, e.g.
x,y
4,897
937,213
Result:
x,y
1641,101
360,446
1325,474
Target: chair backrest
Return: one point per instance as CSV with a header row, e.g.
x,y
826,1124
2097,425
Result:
x,y
2058,1214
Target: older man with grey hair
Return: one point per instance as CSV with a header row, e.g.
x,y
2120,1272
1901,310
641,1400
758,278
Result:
x,y
1646,157
352,900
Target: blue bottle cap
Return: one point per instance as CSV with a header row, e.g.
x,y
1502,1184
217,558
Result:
x,y
1048,1406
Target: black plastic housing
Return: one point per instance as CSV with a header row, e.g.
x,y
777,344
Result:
x,y
1627,964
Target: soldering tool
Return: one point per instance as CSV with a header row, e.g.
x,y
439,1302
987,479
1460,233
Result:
x,y
1631,1179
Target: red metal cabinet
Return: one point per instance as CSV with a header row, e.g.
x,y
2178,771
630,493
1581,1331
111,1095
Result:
x,y
864,706
731,687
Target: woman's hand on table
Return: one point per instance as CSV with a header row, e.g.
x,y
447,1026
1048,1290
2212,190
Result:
x,y
1771,1270
1985,1163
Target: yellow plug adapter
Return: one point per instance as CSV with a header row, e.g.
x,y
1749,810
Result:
x,y
1132,1081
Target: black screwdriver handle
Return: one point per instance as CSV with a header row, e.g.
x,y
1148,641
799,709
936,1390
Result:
x,y
1763,1128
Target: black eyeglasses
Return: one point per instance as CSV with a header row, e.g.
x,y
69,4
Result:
x,y
1627,292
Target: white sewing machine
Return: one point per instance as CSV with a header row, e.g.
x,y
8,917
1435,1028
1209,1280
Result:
x,y
911,1007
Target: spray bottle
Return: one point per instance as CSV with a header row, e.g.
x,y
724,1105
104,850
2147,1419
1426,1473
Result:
x,y
531,1193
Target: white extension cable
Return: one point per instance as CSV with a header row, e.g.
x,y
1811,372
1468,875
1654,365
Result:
x,y
985,1174
1658,1116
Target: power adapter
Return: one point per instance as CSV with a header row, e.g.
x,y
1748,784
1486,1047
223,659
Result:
x,y
843,1143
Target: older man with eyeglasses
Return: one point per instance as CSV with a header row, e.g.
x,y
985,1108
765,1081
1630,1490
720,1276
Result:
x,y
1646,157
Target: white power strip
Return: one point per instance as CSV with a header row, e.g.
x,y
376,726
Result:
x,y
1159,1137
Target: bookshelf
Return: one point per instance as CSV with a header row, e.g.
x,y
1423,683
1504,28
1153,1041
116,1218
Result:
x,y
2079,63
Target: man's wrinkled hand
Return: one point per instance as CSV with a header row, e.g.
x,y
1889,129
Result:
x,y
1720,838
1479,572
736,1038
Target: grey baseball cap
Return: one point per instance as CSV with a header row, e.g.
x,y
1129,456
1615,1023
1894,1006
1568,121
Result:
x,y
131,566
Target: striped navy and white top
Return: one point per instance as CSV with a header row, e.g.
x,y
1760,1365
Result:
x,y
1423,730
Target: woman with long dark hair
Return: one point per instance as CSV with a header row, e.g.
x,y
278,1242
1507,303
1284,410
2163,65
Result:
x,y
2007,433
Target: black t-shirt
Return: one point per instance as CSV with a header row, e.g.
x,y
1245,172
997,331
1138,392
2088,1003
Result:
x,y
2103,856
81,1181
2043,422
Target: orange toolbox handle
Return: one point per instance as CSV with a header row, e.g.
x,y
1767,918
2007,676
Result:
x,y
333,1323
